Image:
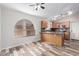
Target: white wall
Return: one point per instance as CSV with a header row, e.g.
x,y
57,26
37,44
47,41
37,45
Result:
x,y
0,28
9,19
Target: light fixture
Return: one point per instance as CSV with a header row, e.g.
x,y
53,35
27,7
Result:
x,y
64,14
38,5
69,12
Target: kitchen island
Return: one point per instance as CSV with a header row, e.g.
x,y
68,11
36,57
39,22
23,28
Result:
x,y
55,38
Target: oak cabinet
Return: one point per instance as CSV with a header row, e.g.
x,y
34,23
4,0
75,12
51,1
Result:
x,y
67,35
66,23
58,24
52,38
44,24
55,25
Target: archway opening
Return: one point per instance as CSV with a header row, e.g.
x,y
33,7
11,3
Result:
x,y
24,28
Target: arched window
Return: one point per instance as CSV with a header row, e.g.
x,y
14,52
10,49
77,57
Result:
x,y
24,28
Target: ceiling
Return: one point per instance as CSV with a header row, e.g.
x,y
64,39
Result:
x,y
51,9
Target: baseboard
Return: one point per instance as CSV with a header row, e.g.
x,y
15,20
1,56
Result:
x,y
75,39
14,46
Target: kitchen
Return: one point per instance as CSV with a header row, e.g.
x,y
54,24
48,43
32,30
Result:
x,y
55,32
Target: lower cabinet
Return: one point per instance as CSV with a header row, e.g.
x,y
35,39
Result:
x,y
66,35
52,38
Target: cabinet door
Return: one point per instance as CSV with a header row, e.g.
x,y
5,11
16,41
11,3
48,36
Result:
x,y
67,35
59,40
53,39
55,25
44,24
67,24
47,37
43,37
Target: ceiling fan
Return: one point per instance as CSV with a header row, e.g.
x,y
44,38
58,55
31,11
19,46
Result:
x,y
38,5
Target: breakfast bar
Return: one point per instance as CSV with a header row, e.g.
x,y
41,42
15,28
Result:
x,y
55,38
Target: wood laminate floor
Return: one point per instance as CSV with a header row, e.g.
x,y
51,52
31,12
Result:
x,y
42,49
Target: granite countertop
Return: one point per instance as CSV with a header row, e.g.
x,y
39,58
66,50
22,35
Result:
x,y
58,33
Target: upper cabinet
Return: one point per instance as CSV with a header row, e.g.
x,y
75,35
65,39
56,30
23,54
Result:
x,y
58,24
55,25
66,23
44,24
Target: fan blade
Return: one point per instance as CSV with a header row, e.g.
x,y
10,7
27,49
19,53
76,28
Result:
x,y
42,3
31,5
42,7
